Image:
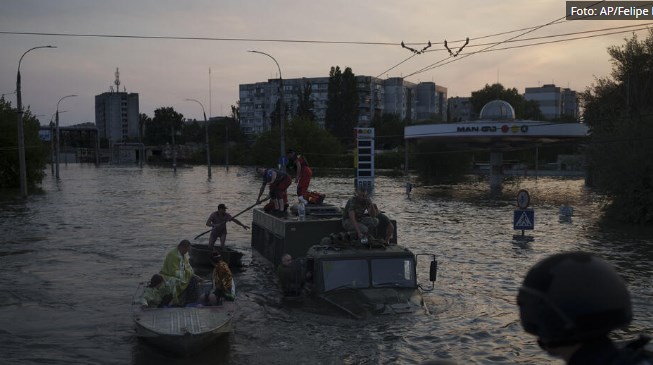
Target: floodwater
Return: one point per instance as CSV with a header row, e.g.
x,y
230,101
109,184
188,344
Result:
x,y
72,256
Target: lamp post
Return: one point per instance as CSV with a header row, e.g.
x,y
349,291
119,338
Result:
x,y
206,136
56,155
52,141
282,111
21,134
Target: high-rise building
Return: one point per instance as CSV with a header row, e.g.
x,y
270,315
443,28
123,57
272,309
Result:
x,y
460,109
375,97
117,114
431,101
555,102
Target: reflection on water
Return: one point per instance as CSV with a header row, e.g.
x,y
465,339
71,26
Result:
x,y
71,258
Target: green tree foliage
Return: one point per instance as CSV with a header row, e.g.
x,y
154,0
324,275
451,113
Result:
x,y
620,115
319,146
306,105
225,134
275,115
158,130
342,104
143,120
235,112
36,151
389,131
524,109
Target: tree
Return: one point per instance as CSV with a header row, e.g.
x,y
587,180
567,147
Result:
x,y
158,130
620,115
319,146
389,131
306,105
342,104
143,120
524,109
36,152
235,112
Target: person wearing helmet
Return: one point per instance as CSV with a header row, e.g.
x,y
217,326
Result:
x,y
571,302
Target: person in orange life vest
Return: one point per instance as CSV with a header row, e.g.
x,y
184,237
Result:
x,y
303,171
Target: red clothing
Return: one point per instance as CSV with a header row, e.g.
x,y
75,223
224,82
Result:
x,y
305,174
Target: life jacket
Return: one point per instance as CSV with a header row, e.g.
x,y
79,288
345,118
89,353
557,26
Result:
x,y
313,197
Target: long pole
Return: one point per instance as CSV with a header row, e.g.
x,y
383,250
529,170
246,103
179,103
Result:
x,y
21,133
57,145
206,135
226,144
282,112
174,152
52,147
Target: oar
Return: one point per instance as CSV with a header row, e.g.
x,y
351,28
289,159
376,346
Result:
x,y
232,217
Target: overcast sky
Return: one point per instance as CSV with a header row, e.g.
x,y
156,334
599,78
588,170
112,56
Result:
x,y
305,37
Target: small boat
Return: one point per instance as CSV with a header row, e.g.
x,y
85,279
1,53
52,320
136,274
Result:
x,y
200,256
183,330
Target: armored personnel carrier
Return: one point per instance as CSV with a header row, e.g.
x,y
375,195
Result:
x,y
360,278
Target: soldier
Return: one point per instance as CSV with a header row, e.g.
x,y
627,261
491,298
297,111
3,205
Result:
x,y
571,302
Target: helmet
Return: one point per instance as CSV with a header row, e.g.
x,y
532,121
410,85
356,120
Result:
x,y
571,297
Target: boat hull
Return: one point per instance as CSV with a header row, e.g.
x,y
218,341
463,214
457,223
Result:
x,y
184,331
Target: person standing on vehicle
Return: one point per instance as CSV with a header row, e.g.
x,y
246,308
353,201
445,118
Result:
x,y
571,302
218,220
279,182
303,172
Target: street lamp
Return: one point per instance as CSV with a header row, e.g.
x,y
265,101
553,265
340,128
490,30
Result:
x,y
206,135
56,155
282,111
52,141
21,134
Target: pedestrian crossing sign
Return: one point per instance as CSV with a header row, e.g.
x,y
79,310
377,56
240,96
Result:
x,y
524,219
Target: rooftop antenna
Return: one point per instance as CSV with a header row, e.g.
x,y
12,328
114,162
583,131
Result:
x,y
117,81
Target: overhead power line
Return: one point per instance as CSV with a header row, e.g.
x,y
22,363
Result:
x,y
626,28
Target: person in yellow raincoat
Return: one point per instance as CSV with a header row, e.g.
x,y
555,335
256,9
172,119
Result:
x,y
157,294
178,272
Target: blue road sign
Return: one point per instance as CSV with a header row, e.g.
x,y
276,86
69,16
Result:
x,y
524,219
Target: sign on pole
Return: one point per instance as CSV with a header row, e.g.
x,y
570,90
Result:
x,y
524,219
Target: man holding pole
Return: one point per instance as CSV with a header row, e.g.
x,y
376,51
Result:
x,y
218,220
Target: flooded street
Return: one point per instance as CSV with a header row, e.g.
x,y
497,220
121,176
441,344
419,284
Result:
x,y
72,256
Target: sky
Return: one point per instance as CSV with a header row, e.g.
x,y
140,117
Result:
x,y
185,39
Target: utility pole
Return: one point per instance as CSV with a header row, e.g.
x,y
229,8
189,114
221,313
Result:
x,y
20,131
282,113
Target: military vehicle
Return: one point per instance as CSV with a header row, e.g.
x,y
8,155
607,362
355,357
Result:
x,y
360,278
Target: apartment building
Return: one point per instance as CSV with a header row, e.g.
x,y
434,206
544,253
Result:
x,y
555,102
376,97
117,114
